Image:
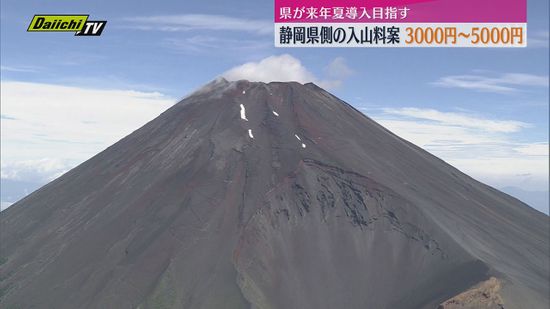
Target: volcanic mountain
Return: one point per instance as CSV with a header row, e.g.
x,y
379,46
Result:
x,y
278,195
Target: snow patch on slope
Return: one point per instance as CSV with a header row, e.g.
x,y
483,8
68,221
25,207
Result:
x,y
243,113
250,133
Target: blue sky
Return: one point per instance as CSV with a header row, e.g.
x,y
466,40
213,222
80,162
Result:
x,y
483,110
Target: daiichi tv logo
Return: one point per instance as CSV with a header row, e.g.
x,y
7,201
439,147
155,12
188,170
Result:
x,y
79,24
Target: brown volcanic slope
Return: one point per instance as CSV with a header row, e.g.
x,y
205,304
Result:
x,y
189,211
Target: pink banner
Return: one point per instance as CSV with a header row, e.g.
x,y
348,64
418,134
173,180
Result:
x,y
401,11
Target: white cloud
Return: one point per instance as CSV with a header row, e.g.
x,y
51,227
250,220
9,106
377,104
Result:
x,y
283,68
188,22
69,124
40,170
286,68
540,149
4,205
338,69
20,69
504,83
483,149
457,119
525,172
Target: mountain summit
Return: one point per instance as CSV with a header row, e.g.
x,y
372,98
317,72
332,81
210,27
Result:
x,y
279,195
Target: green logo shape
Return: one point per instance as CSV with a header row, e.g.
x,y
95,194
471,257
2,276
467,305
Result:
x,y
57,23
